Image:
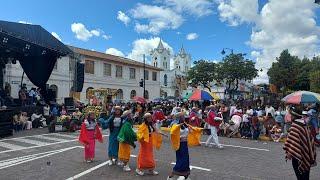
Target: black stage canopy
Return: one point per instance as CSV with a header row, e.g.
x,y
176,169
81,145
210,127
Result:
x,y
34,47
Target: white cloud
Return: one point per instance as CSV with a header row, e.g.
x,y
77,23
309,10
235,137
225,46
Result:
x,y
236,12
197,8
82,33
95,32
106,37
115,52
158,18
144,46
192,36
123,18
279,25
24,22
56,36
285,25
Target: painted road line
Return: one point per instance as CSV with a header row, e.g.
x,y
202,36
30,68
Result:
x,y
196,167
66,135
10,146
24,159
49,138
24,137
242,147
30,141
31,147
88,171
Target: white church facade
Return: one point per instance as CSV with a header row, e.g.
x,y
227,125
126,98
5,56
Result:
x,y
173,81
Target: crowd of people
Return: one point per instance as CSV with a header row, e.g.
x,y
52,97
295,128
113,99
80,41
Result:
x,y
185,120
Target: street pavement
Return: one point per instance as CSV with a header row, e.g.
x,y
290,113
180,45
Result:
x,y
60,156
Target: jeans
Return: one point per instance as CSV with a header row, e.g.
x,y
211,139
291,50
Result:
x,y
213,136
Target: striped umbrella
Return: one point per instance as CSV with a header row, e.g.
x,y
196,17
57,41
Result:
x,y
302,97
200,95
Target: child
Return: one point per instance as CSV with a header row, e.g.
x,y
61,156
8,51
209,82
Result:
x,y
276,132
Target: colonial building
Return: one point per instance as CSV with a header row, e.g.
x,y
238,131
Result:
x,y
101,71
173,81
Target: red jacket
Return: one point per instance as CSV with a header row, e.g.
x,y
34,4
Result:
x,y
210,119
158,115
196,121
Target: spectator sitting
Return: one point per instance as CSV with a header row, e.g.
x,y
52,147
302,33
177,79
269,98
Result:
x,y
24,119
17,125
38,121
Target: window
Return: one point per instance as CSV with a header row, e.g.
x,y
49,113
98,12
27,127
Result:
x,y
146,75
106,69
132,73
89,67
133,94
165,78
119,94
119,71
154,76
146,94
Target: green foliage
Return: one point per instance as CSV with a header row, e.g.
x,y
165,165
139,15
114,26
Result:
x,y
202,73
315,81
234,68
289,73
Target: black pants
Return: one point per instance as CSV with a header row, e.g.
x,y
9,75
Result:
x,y
300,176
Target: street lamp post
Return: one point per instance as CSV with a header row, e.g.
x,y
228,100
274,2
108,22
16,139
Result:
x,y
144,76
223,52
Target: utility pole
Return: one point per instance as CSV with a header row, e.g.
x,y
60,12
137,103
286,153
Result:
x,y
144,76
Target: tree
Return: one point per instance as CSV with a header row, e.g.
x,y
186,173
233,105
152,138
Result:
x,y
284,72
315,81
234,68
202,73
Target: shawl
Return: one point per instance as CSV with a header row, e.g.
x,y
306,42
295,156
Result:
x,y
193,136
127,135
300,145
83,137
143,135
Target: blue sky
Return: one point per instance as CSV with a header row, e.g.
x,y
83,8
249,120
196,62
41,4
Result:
x,y
259,28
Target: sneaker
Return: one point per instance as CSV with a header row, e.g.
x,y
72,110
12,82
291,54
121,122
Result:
x,y
114,161
220,146
126,168
140,173
153,172
88,161
169,178
119,163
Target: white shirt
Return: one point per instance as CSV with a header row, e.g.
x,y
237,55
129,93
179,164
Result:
x,y
270,110
35,116
46,111
245,118
117,122
249,112
184,132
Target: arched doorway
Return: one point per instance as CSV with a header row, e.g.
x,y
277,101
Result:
x,y
119,94
54,89
133,94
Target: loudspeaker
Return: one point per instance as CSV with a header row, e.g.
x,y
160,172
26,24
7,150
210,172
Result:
x,y
68,102
79,77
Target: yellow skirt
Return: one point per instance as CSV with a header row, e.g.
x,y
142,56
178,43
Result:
x,y
124,152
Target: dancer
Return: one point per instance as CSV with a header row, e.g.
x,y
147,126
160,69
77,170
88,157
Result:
x,y
213,125
183,135
114,124
126,138
148,137
89,132
194,117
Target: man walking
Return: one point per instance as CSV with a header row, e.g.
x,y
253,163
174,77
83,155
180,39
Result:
x,y
213,126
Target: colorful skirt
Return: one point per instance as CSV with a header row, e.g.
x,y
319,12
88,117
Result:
x,y
182,167
90,147
145,157
113,147
124,152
